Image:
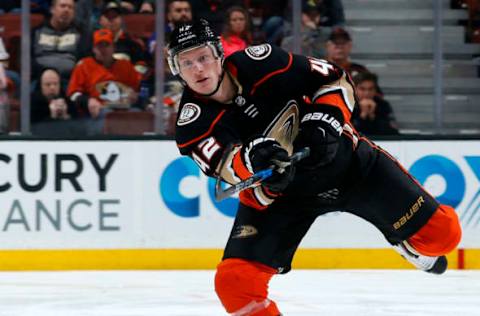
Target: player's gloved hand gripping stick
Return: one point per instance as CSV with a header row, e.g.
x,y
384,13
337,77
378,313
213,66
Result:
x,y
258,177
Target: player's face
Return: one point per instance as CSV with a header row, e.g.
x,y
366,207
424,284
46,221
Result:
x,y
200,69
366,90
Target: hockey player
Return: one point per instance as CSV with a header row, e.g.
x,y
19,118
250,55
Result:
x,y
251,112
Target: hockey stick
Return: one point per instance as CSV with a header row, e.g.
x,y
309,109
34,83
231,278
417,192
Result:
x,y
258,177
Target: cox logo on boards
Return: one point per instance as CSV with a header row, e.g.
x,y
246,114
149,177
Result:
x,y
183,206
455,183
422,170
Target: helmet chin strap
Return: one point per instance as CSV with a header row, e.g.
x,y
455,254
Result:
x,y
218,85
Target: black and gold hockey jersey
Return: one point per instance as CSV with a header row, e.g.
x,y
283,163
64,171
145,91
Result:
x,y
277,91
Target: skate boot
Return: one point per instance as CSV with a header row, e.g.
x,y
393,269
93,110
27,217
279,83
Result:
x,y
435,265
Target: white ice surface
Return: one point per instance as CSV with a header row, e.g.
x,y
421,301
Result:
x,y
181,293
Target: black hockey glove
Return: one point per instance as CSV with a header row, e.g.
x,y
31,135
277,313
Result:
x,y
322,140
268,153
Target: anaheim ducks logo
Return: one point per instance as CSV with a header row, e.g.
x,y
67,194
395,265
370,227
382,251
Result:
x,y
259,52
114,94
244,231
190,112
284,127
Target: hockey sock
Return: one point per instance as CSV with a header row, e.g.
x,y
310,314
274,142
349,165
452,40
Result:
x,y
440,235
242,287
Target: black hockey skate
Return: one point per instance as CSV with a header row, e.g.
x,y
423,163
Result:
x,y
435,265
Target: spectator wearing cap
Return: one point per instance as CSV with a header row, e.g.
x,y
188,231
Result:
x,y
372,115
338,50
126,47
59,43
101,82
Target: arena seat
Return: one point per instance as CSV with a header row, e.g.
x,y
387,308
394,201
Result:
x,y
128,123
10,32
11,25
140,25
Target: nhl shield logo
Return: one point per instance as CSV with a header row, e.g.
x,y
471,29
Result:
x,y
240,100
259,52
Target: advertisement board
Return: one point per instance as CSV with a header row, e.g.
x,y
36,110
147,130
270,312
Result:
x,y
143,195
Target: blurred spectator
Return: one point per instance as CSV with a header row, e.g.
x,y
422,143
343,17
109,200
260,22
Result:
x,y
126,47
276,16
10,6
236,35
178,12
373,115
138,6
102,83
129,6
212,11
12,77
312,35
48,100
88,13
40,6
323,13
268,20
4,104
339,48
59,43
147,6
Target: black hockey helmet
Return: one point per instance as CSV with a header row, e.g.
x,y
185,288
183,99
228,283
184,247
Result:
x,y
192,35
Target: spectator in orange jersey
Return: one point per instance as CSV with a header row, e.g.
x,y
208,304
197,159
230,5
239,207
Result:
x,y
101,82
236,35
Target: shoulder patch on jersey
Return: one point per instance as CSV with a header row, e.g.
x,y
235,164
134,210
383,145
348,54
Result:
x,y
259,52
190,112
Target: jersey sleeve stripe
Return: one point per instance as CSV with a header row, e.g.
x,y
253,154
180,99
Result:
x,y
210,129
335,98
239,167
271,74
248,198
